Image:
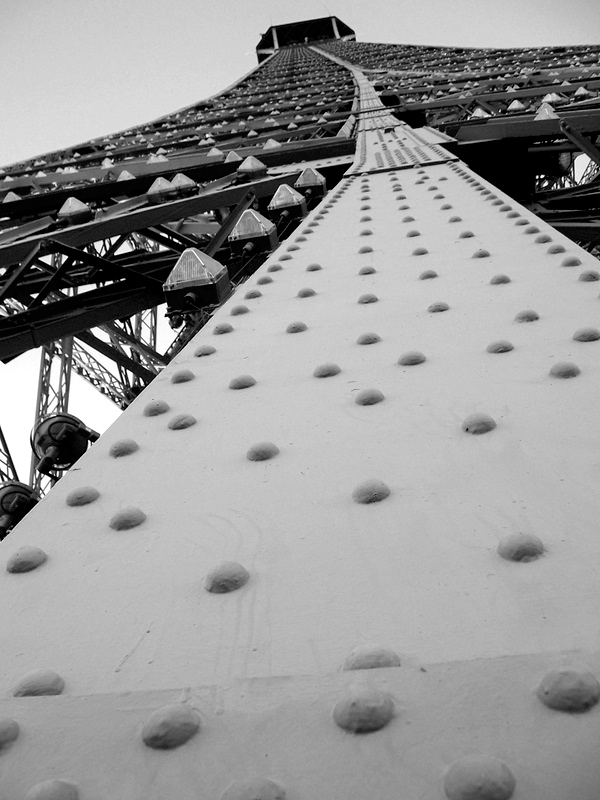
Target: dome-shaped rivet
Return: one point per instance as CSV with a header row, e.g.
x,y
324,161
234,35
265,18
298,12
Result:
x,y
436,308
586,335
589,276
306,293
369,397
366,218
252,294
237,311
53,790
564,369
367,270
156,407
527,316
365,249
569,690
368,338
366,232
9,731
182,376
296,327
420,251
504,208
26,559
497,202
82,496
170,726
285,256
542,238
481,253
242,382
364,711
364,299
254,789
412,234
127,518
522,547
314,268
365,197
371,492
411,359
224,327
427,275
270,268
513,214
479,778
262,451
478,424
182,421
455,219
447,207
208,349
371,657
123,447
265,279
326,370
497,280
293,247
38,683
365,208
501,346
570,261
227,577
555,248
521,221
438,196
531,229
408,219
466,235
403,207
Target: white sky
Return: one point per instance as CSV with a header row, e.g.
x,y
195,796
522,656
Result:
x,y
73,70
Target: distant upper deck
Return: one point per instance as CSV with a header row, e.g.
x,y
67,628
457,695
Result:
x,y
309,30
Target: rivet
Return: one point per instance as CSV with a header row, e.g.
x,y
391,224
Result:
x,y
242,382
225,327
368,338
123,447
26,559
262,451
586,335
293,247
411,359
271,268
262,281
254,789
127,518
408,219
428,275
499,279
570,261
182,376
438,196
53,790
372,491
479,777
412,234
326,370
303,238
478,424
521,547
436,308
556,248
208,349
285,256
227,577
531,229
38,683
504,207
369,397
527,316
365,208
420,251
296,327
481,253
365,249
364,711
182,421
501,346
170,726
9,731
447,207
368,298
366,232
366,218
466,235
589,276
513,214
521,221
306,293
366,270
237,311
371,657
569,690
82,496
542,238
455,219
314,268
403,207
564,369
156,407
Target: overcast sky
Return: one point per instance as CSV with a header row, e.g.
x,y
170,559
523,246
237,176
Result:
x,y
73,70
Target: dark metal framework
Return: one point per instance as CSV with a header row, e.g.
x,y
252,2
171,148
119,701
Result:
x,y
83,278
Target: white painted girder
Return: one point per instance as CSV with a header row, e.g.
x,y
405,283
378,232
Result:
x,y
124,618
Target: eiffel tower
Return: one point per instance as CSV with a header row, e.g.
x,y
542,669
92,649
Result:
x,y
376,428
